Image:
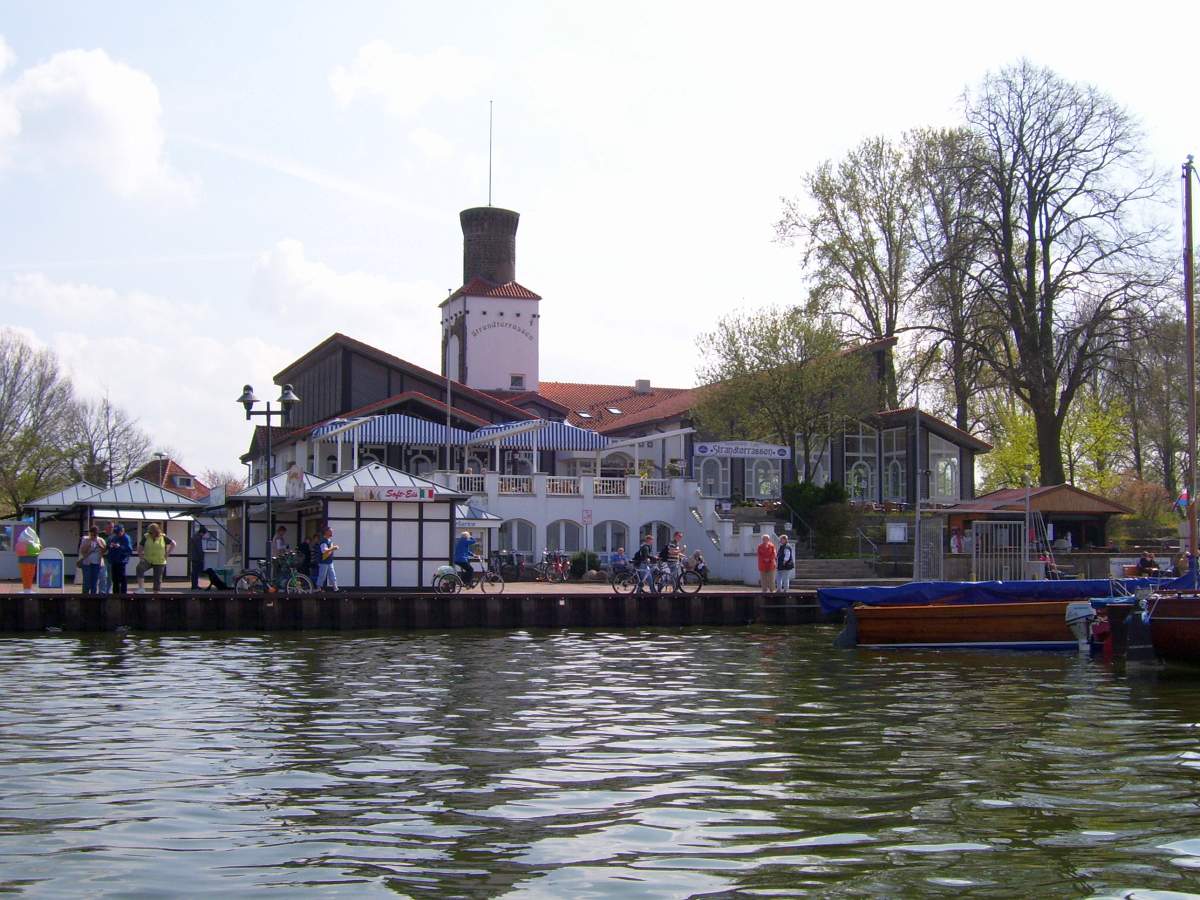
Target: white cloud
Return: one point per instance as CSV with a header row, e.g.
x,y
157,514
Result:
x,y
405,82
309,297
432,144
7,57
84,110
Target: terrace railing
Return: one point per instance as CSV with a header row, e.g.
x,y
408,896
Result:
x,y
610,487
516,484
562,486
469,484
656,487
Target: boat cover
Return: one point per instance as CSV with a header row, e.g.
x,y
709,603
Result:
x,y
837,599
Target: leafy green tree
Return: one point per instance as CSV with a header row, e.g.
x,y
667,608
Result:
x,y
1013,434
1096,440
777,374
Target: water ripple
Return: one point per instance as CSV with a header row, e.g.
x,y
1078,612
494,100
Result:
x,y
641,764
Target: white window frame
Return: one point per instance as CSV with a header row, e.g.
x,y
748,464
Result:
x,y
720,489
762,479
557,536
895,465
864,457
944,466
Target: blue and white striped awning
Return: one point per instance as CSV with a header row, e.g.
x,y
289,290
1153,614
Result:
x,y
550,436
394,428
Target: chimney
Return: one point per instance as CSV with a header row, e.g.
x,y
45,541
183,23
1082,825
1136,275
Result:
x,y
489,244
641,386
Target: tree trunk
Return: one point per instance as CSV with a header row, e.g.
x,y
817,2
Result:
x,y
1049,441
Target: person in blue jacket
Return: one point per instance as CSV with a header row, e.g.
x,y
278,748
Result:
x,y
117,553
464,551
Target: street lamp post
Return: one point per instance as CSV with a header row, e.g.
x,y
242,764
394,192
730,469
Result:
x,y
287,399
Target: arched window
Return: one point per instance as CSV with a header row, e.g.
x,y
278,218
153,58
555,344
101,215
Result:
x,y
660,530
516,536
564,535
331,464
858,481
714,477
616,465
608,537
520,463
762,479
420,465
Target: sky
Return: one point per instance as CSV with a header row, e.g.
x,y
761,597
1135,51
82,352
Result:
x,y
194,195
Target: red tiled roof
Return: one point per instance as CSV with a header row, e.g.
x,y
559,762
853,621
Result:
x,y
162,471
636,409
481,287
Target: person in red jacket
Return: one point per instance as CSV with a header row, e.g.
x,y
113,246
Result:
x,y
766,564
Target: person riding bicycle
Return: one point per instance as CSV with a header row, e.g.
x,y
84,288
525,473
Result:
x,y
642,561
673,554
464,552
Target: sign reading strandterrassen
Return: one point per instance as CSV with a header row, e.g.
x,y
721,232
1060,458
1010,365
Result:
x,y
392,494
743,450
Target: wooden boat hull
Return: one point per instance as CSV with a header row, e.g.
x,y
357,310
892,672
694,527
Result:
x,y
1034,625
1175,627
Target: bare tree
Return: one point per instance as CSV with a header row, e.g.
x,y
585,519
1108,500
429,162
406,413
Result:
x,y
35,413
110,444
947,240
858,243
228,479
1065,257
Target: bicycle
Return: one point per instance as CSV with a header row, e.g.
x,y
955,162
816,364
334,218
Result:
x,y
554,567
449,579
686,582
287,577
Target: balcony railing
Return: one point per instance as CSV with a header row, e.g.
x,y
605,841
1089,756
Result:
x,y
656,487
562,486
469,484
516,484
610,487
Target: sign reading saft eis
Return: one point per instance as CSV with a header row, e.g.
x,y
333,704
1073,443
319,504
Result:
x,y
742,450
393,494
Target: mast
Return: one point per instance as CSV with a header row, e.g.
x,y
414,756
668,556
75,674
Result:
x,y
1189,313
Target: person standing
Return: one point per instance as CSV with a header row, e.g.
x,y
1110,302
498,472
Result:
x,y
642,561
279,544
154,548
766,564
103,582
196,554
118,552
785,564
673,555
91,553
326,574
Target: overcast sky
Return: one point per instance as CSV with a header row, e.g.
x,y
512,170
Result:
x,y
193,195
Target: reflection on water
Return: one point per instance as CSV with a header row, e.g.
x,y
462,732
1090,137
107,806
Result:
x,y
634,764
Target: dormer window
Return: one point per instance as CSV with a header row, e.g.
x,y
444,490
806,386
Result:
x,y
183,481
516,382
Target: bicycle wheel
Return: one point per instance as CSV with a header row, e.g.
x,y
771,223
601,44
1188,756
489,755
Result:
x,y
509,572
249,582
625,583
690,582
447,584
491,583
299,584
559,573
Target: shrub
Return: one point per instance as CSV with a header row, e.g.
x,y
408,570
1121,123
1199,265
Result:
x,y
583,562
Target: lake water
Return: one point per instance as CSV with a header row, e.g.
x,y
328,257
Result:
x,y
755,762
